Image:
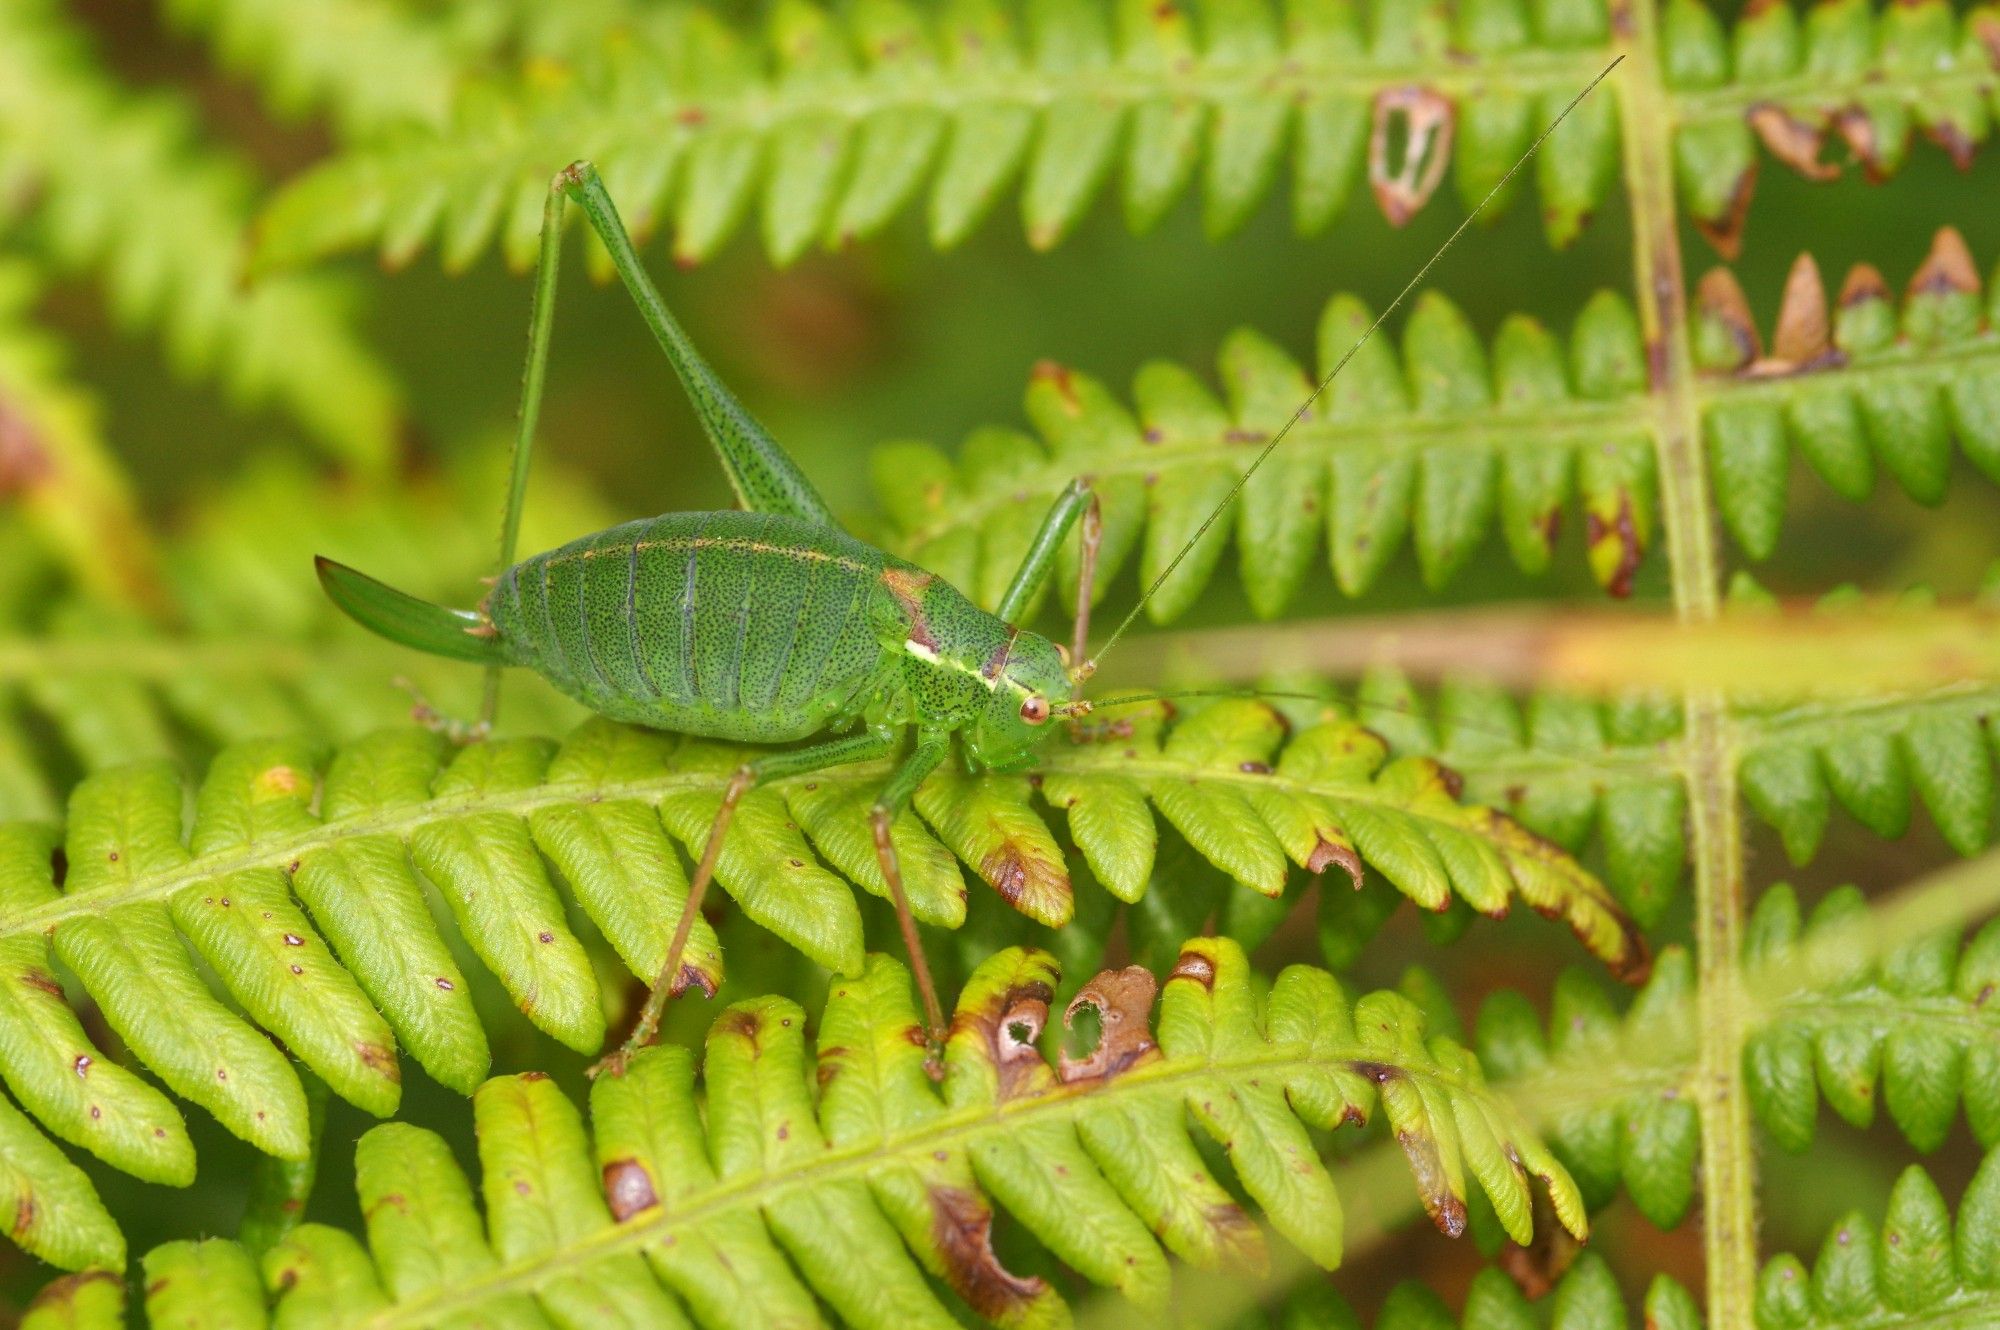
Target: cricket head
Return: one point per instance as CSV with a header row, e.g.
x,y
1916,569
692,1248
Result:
x,y
1031,688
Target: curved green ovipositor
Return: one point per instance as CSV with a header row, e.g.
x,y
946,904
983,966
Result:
x,y
380,608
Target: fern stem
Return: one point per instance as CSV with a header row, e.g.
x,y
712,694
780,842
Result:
x,y
1728,1164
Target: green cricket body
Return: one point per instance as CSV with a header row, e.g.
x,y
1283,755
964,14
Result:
x,y
749,626
763,628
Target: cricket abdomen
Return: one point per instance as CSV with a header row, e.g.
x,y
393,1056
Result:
x,y
732,625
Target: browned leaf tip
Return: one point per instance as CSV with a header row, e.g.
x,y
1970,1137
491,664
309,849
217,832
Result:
x,y
1863,284
1719,299
1123,1000
1326,853
1403,188
1634,964
692,975
1948,269
1193,965
1792,139
1864,139
1805,334
1057,376
1536,1268
1985,26
1446,1210
962,1227
1725,231
24,462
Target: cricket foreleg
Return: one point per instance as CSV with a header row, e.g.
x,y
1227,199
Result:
x,y
932,748
1077,501
672,980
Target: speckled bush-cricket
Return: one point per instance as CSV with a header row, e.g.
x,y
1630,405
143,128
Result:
x,y
771,624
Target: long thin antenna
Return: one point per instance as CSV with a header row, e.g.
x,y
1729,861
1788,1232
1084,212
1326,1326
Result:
x,y
1341,364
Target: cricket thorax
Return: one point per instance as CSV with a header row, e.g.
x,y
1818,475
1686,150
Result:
x,y
971,670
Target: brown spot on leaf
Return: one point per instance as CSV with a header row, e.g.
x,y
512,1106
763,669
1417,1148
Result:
x,y
381,1059
1326,853
1238,1238
628,1188
962,1227
82,1064
1007,869
1454,784
279,780
24,1214
1625,530
1794,141
738,1022
42,982
1403,188
1123,1000
1009,1027
1254,768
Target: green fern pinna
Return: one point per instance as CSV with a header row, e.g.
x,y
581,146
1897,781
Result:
x,y
768,625
773,624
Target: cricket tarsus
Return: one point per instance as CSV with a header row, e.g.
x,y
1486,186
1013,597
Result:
x,y
1271,444
652,622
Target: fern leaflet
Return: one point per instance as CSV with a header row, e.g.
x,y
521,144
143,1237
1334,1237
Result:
x,y
1091,1155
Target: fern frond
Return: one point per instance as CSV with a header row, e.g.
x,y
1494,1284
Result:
x,y
837,123
275,821
1853,386
1914,1028
1920,1022
122,190
881,1178
1438,442
260,652
1431,445
1916,1269
1848,73
841,121
54,464
1611,774
1587,1297
374,65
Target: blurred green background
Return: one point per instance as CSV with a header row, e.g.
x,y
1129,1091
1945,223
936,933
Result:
x,y
891,340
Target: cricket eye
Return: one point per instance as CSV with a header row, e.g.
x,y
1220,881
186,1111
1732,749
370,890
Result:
x,y
1034,709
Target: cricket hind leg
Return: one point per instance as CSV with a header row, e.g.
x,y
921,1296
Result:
x,y
763,476
765,479
675,978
